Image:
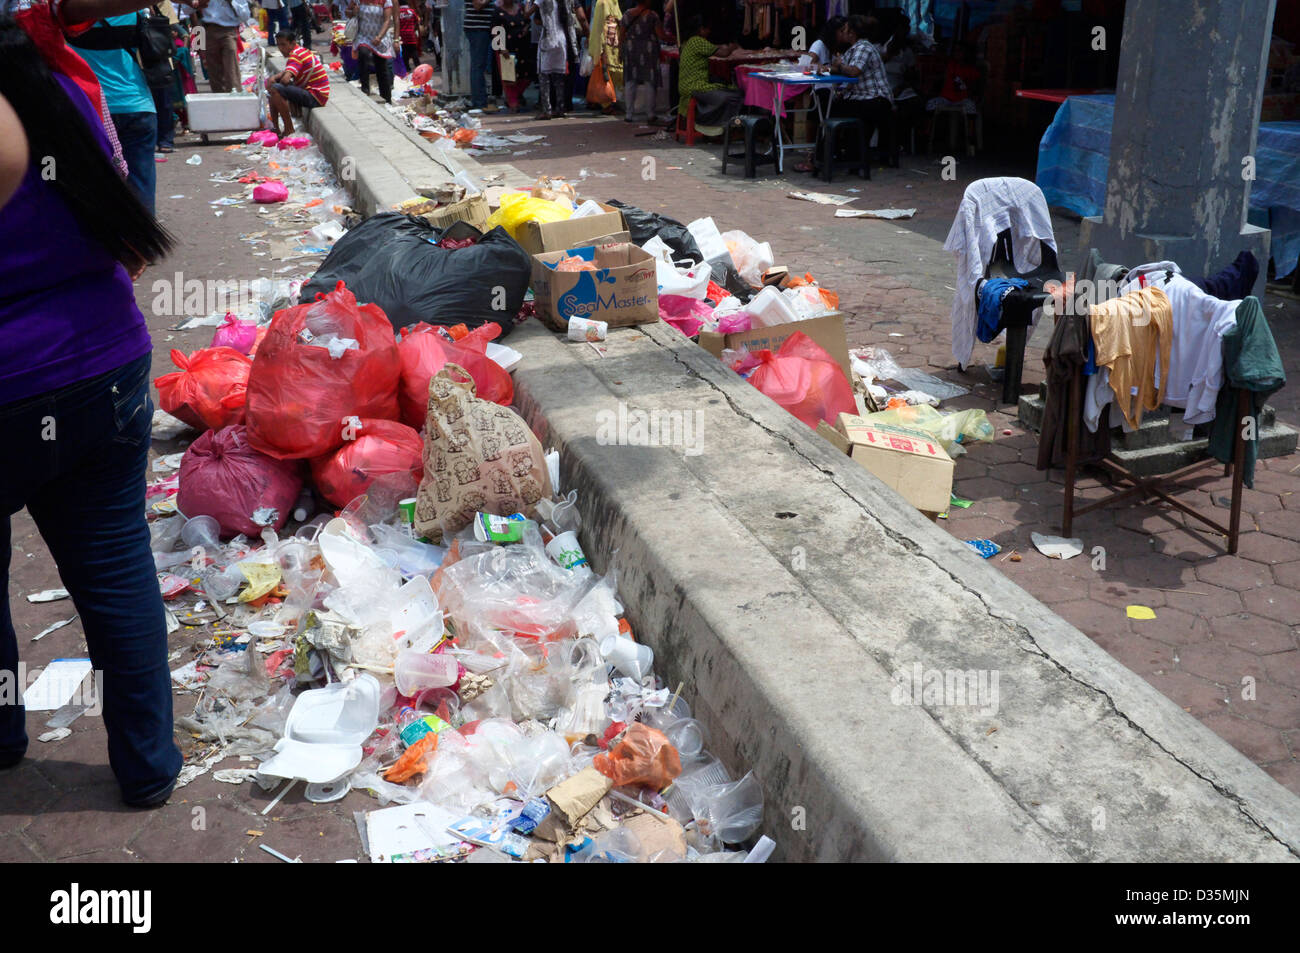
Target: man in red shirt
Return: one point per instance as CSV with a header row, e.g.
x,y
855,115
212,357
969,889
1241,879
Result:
x,y
304,83
408,30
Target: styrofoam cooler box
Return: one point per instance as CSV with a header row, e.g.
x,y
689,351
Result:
x,y
223,112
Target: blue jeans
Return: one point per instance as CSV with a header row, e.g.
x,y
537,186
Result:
x,y
85,490
138,134
275,18
480,61
162,102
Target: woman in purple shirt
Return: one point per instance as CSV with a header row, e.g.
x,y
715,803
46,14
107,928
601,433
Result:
x,y
75,410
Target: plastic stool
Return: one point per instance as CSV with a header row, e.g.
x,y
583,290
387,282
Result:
x,y
753,125
832,129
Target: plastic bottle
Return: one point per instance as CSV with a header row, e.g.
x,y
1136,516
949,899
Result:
x,y
306,505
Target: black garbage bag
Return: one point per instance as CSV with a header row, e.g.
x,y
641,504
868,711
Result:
x,y
643,226
392,260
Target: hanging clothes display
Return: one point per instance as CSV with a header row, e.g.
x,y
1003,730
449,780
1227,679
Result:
x,y
1250,362
1133,335
1235,281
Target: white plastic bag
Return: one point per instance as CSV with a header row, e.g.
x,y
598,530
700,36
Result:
x,y
750,257
586,66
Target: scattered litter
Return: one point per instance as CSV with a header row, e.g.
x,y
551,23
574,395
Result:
x,y
823,198
58,683
57,734
52,628
195,159
48,595
957,501
985,547
1141,613
1056,547
66,715
885,213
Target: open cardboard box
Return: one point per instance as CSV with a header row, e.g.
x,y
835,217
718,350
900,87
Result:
x,y
910,461
826,331
538,238
622,291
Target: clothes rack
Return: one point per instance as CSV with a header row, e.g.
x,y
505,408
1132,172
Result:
x,y
1148,488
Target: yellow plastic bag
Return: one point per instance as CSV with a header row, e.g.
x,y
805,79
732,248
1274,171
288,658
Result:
x,y
517,208
951,430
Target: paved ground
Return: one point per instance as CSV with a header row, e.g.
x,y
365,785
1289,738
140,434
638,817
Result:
x,y
1224,642
1219,619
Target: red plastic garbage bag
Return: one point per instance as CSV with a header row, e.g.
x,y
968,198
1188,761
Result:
x,y
424,352
208,392
241,335
268,193
294,142
805,380
222,476
375,449
263,137
299,395
644,756
685,314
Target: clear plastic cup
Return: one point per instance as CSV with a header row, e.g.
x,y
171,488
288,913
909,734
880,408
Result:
x,y
687,736
201,531
416,671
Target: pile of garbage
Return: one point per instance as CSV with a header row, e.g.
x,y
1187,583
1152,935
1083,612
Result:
x,y
395,597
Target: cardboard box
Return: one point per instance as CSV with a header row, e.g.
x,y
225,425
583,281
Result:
x,y
910,461
537,238
826,331
622,291
472,211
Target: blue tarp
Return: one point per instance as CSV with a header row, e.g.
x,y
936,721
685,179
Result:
x,y
1074,159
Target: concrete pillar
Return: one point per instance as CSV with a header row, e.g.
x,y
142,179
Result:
x,y
1191,81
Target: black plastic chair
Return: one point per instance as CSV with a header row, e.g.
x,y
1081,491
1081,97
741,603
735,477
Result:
x,y
832,129
754,126
1019,305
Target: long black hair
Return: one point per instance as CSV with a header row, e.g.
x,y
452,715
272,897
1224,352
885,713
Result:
x,y
105,205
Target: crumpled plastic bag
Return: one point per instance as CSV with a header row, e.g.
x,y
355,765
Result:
x,y
687,315
751,257
876,363
236,334
951,430
299,394
224,477
805,380
519,207
643,757
269,193
424,351
376,448
209,391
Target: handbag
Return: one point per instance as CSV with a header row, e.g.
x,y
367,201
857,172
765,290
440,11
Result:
x,y
600,90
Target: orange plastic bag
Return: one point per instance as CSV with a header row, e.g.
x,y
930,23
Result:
x,y
805,380
299,396
414,760
377,448
209,390
424,352
644,756
599,88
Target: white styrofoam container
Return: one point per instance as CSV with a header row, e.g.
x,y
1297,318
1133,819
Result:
x,y
224,112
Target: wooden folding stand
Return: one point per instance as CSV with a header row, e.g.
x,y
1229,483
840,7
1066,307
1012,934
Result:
x,y
1146,488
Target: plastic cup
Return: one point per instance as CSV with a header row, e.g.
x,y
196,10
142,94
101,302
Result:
x,y
566,551
687,736
201,531
631,658
416,671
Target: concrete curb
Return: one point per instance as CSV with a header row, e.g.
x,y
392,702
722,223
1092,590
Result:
x,y
808,586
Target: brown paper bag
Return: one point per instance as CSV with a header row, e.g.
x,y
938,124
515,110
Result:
x,y
478,457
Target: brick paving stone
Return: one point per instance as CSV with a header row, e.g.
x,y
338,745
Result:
x,y
1274,602
1138,653
1187,545
15,850
1257,742
1173,627
1283,668
1232,572
1285,773
1206,601
1257,636
1283,523
1119,594
1220,662
1288,576
1270,550
24,793
1275,705
210,831
85,820
322,837
1195,695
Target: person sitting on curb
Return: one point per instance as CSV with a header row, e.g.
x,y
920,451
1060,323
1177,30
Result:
x,y
304,83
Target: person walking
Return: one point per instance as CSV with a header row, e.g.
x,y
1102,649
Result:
x,y
277,18
642,32
552,60
109,48
300,20
515,17
603,47
374,46
478,34
75,404
217,41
